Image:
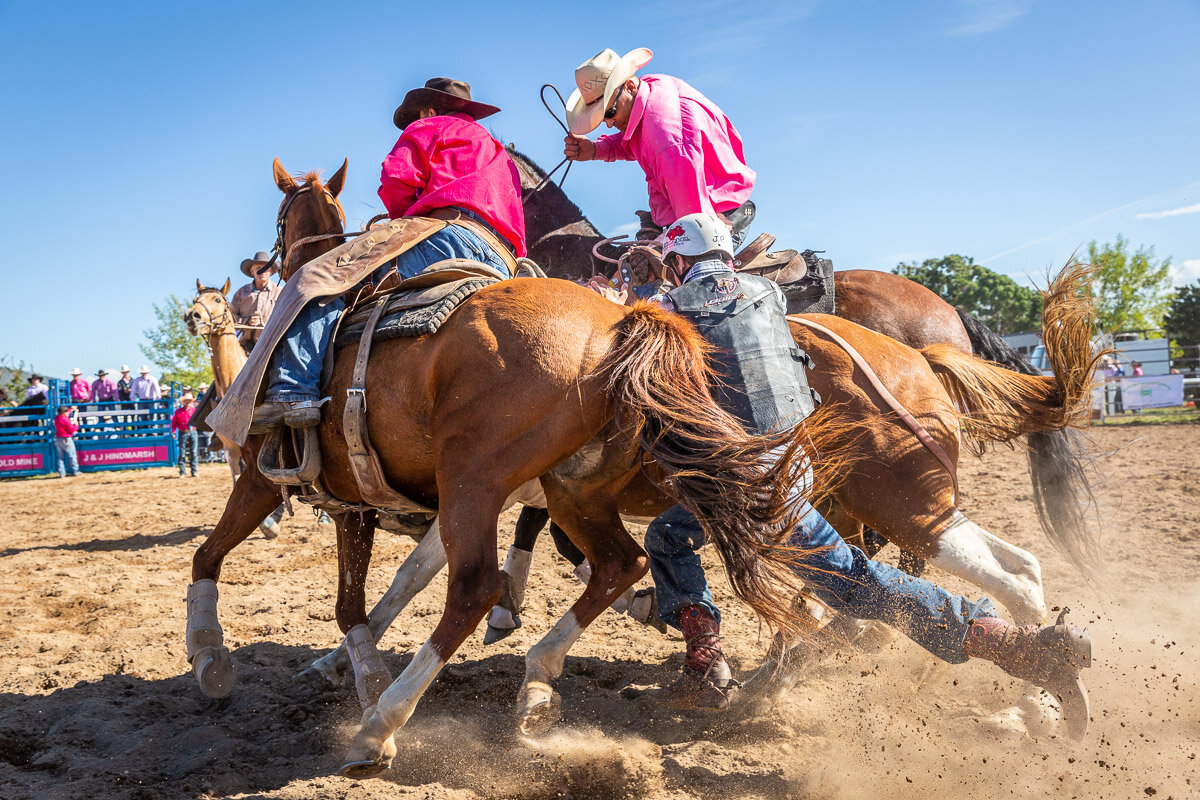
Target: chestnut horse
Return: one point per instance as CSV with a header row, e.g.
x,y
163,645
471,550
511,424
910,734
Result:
x,y
527,379
560,240
897,486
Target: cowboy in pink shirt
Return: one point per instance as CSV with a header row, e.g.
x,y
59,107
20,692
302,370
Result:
x,y
690,151
81,390
104,388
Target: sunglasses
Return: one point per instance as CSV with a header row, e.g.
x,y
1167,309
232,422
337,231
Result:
x,y
612,110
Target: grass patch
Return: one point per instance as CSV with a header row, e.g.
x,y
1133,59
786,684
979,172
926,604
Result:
x,y
1154,416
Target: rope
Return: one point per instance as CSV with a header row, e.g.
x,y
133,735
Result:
x,y
566,130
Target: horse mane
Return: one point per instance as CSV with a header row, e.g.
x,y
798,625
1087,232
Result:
x,y
313,178
533,176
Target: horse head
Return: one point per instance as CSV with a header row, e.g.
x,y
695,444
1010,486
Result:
x,y
209,312
310,219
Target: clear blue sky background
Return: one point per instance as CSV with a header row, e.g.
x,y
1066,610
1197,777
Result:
x,y
138,137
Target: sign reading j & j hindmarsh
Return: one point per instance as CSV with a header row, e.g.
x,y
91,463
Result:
x,y
107,457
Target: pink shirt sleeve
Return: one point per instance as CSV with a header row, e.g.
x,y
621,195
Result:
x,y
405,173
611,148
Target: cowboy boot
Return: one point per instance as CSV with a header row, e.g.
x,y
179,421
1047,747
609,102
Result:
x,y
706,682
1049,657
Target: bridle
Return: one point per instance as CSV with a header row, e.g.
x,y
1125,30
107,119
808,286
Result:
x,y
280,252
215,326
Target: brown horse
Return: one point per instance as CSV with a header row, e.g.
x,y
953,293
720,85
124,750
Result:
x,y
561,240
585,389
899,486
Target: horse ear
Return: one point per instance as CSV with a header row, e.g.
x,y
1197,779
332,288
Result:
x,y
225,288
283,178
199,286
338,180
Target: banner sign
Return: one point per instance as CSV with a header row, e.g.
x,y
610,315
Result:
x,y
122,455
1152,391
20,462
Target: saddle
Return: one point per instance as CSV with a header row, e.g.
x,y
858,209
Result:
x,y
806,279
413,306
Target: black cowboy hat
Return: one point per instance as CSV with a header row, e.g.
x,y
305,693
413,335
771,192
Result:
x,y
259,258
444,95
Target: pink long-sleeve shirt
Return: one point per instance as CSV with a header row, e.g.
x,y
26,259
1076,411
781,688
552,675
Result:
x,y
81,390
450,160
104,389
688,148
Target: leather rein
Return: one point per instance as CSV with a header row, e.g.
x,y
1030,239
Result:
x,y
280,252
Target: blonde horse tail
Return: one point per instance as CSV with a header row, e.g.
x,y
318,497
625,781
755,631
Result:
x,y
657,375
998,405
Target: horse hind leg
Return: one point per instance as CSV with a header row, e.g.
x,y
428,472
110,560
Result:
x,y
251,499
1014,577
617,564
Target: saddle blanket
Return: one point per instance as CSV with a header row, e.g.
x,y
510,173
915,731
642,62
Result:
x,y
407,314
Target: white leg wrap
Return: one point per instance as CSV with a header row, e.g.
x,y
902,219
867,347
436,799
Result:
x,y
371,675
203,629
516,564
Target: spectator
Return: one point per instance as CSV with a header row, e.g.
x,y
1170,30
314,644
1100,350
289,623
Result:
x,y
5,400
205,437
125,385
104,389
253,303
1137,369
64,441
81,390
181,424
37,389
144,386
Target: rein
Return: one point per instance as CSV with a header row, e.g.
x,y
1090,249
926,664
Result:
x,y
280,252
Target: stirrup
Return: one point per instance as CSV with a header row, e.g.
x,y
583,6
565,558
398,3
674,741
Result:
x,y
270,457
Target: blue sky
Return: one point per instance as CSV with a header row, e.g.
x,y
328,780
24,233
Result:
x,y
138,137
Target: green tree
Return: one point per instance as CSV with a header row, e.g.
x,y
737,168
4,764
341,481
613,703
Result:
x,y
181,356
997,300
1131,291
13,375
1182,324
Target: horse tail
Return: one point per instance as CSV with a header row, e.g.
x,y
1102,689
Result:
x,y
658,377
1007,398
1058,462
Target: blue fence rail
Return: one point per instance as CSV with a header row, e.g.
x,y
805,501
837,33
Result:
x,y
125,434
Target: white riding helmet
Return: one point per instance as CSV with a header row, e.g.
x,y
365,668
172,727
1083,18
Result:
x,y
697,234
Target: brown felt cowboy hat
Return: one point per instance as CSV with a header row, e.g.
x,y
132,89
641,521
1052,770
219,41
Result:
x,y
443,95
259,258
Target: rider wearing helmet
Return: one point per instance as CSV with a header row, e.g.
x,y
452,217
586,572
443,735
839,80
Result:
x,y
763,384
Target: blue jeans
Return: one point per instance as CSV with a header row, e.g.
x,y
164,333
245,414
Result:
x,y
64,448
189,449
839,574
296,363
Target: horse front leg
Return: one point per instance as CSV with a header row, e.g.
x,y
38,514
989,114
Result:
x,y
617,563
252,498
468,522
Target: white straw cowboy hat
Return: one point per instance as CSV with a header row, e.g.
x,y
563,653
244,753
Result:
x,y
144,370
259,258
77,371
598,79
124,368
443,95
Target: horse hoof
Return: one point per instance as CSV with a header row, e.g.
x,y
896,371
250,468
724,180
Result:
x,y
315,679
269,528
362,770
493,635
540,706
213,668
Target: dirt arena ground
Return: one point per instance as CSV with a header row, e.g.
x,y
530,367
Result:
x,y
96,700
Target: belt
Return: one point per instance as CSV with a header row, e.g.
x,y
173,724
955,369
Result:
x,y
459,215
